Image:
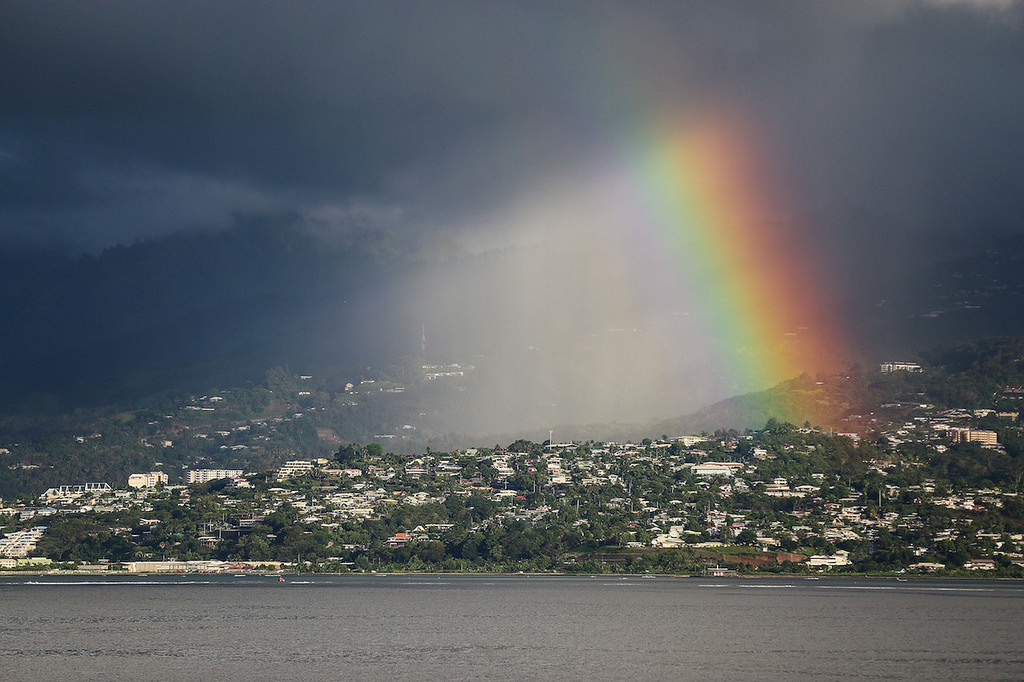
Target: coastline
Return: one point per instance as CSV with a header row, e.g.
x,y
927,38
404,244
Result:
x,y
518,574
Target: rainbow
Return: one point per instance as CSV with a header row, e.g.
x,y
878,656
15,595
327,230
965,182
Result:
x,y
712,205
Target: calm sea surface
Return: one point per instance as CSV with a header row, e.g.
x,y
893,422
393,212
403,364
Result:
x,y
508,628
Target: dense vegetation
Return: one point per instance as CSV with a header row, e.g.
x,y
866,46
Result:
x,y
589,528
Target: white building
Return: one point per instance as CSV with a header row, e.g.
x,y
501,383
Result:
x,y
712,469
840,558
893,366
21,542
293,468
148,480
207,475
961,435
73,492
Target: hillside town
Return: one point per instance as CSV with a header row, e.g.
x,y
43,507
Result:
x,y
911,489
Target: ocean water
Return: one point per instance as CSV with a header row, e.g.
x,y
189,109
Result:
x,y
418,627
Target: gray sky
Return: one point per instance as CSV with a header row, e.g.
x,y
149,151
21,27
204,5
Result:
x,y
122,120
891,130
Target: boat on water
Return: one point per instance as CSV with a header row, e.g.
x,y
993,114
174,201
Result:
x,y
718,572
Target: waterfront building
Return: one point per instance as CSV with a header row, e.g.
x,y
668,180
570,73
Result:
x,y
21,543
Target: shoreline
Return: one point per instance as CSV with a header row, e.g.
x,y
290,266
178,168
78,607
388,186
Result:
x,y
506,574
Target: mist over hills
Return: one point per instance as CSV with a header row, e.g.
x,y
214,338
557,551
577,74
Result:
x,y
191,311
612,214
187,311
287,416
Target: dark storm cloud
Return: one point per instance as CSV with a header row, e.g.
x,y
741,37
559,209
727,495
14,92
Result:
x,y
361,173
252,89
326,98
111,114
